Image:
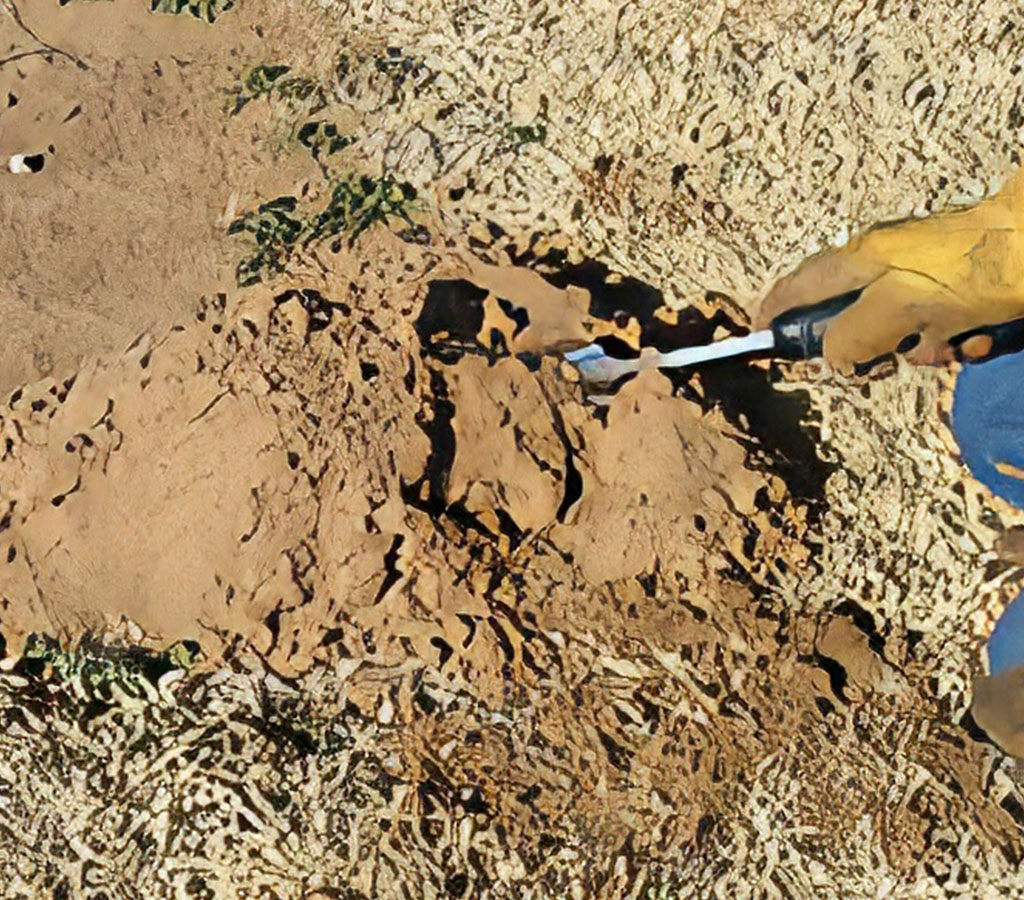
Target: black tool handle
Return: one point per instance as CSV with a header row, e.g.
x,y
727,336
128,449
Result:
x,y
1007,337
800,332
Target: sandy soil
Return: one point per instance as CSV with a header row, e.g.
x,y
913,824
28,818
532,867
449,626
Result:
x,y
461,633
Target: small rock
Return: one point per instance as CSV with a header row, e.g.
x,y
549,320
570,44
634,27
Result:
x,y
22,164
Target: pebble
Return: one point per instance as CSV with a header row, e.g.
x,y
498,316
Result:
x,y
446,750
25,164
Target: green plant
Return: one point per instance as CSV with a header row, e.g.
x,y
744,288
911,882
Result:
x,y
274,231
355,204
322,138
98,671
274,81
207,10
527,134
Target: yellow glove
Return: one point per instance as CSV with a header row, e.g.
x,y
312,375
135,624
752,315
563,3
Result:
x,y
934,278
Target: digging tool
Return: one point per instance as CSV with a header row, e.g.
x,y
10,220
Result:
x,y
797,333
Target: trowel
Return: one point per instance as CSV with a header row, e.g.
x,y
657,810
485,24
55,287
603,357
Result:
x,y
795,334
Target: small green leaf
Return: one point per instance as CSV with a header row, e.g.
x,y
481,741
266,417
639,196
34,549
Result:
x,y
322,138
206,10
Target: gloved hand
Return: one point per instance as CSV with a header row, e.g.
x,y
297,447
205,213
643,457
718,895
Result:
x,y
931,278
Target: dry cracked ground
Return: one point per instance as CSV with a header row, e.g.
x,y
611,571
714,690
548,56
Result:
x,y
320,576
